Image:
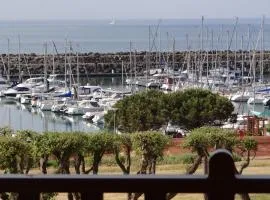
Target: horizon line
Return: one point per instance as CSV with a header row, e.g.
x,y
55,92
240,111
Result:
x,y
139,19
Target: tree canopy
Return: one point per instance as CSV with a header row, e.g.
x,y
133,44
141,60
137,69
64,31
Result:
x,y
150,110
139,112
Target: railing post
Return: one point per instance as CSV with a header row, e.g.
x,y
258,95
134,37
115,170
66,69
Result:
x,y
154,196
91,196
29,196
221,176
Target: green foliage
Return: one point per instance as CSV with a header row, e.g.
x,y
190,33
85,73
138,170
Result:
x,y
6,131
150,110
27,135
194,108
150,143
248,144
14,154
139,112
100,142
61,144
123,142
200,139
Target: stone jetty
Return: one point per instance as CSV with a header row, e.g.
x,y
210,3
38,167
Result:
x,y
98,64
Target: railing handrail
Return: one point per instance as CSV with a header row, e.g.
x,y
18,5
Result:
x,y
220,184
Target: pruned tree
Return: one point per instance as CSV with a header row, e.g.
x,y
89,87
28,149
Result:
x,y
97,145
123,144
202,141
63,146
150,146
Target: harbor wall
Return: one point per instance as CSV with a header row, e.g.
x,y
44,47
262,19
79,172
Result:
x,y
107,63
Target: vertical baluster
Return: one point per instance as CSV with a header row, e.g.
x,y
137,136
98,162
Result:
x,y
92,196
28,196
154,196
221,170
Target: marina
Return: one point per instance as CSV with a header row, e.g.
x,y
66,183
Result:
x,y
69,87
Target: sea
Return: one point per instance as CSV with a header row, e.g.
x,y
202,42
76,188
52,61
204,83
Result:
x,y
155,35
101,36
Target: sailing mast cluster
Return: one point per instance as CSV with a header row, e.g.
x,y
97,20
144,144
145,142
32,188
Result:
x,y
218,63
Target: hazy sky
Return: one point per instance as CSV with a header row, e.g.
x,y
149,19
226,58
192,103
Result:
x,y
135,9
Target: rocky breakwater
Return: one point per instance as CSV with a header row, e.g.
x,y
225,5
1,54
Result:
x,y
97,64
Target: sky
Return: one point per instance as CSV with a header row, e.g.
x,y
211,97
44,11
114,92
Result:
x,y
131,9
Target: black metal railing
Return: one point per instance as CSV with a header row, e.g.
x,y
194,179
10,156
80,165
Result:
x,y
220,184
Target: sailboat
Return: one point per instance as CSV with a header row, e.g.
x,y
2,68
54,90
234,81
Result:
x,y
112,22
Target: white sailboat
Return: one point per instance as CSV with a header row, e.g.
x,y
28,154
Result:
x,y
112,22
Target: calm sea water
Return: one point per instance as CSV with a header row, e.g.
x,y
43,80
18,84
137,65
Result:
x,y
100,36
20,117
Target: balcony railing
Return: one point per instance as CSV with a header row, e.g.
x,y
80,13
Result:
x,y
220,184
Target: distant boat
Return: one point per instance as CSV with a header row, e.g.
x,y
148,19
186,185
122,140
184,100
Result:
x,y
112,22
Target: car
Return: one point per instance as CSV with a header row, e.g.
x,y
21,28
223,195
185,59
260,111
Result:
x,y
175,131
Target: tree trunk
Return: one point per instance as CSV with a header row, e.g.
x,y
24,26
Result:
x,y
196,164
119,163
77,164
43,164
95,167
83,165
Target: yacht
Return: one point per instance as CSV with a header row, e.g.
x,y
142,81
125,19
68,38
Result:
x,y
84,106
241,96
25,87
12,93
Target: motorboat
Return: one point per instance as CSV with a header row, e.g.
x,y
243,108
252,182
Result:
x,y
84,106
241,96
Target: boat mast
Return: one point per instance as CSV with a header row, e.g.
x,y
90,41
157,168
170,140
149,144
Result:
x,y
249,50
262,49
20,74
159,53
212,54
173,56
135,64
188,60
70,71
45,66
65,64
168,49
207,54
149,54
122,79
228,41
53,64
78,72
8,64
236,37
202,48
242,53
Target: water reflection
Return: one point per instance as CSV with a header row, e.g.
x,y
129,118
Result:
x,y
20,117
